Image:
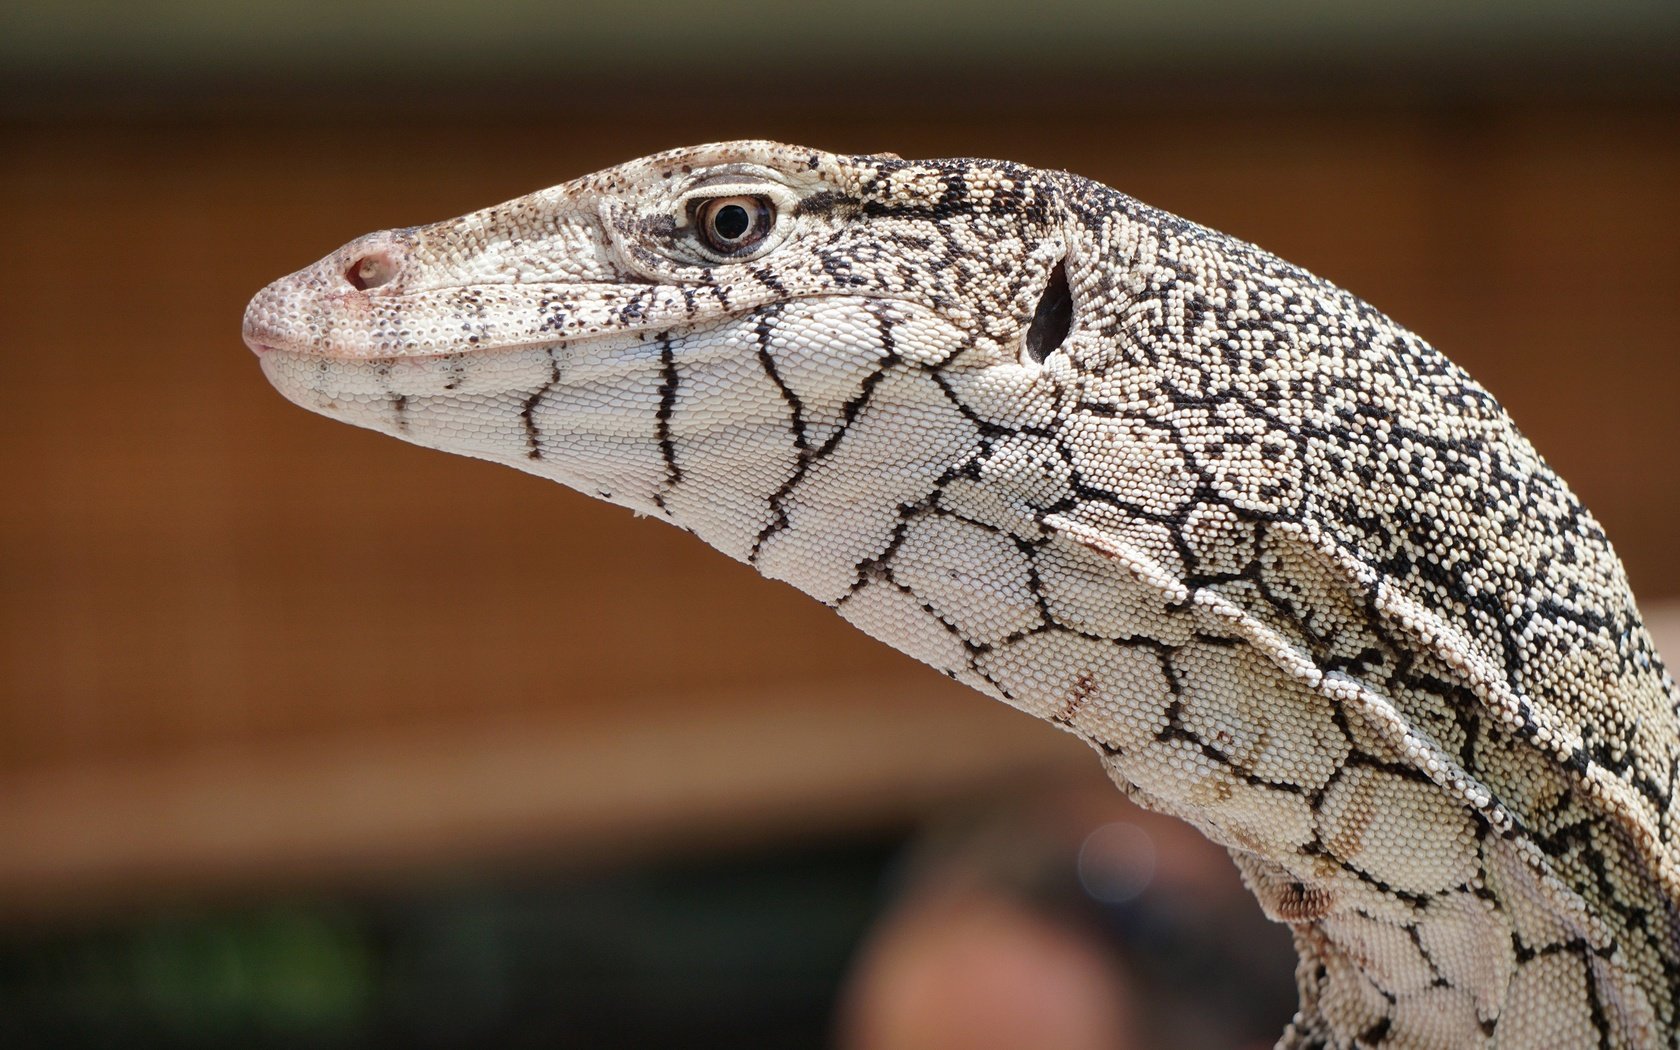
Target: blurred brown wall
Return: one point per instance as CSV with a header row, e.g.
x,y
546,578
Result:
x,y
237,639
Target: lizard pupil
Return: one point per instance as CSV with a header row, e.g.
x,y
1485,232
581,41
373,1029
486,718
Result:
x,y
730,225
731,222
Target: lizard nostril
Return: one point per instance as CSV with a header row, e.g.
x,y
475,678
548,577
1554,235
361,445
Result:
x,y
371,271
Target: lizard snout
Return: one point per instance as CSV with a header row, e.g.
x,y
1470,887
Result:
x,y
327,304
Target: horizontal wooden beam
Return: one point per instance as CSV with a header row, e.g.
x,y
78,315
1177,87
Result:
x,y
727,769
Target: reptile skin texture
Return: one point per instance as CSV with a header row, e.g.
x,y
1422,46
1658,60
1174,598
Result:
x,y
1292,574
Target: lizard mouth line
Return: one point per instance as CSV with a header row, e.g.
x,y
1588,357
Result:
x,y
387,354
264,340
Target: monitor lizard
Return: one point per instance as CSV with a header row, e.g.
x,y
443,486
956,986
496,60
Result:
x,y
1293,575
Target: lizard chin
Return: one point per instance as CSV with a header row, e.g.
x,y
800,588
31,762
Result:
x,y
388,393
347,391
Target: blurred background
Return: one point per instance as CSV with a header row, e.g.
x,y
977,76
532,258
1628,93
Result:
x,y
309,737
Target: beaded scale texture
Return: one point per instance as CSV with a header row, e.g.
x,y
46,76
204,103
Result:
x,y
1291,573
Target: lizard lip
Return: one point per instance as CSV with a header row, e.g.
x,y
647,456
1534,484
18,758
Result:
x,y
261,338
259,341
258,329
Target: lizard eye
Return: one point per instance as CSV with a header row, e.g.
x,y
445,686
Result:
x,y
732,225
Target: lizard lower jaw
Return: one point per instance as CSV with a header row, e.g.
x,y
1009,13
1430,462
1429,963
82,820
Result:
x,y
342,386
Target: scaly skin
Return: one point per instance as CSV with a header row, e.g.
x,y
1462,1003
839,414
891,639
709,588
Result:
x,y
1293,575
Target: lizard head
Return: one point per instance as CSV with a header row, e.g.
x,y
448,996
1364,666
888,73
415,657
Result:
x,y
698,333
1291,571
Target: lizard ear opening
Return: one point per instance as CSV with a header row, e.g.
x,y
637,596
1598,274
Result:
x,y
1053,317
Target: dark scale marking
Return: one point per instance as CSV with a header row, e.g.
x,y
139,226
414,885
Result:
x,y
528,411
1595,1007
457,371
662,419
848,415
1317,848
764,330
824,203
767,277
878,567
